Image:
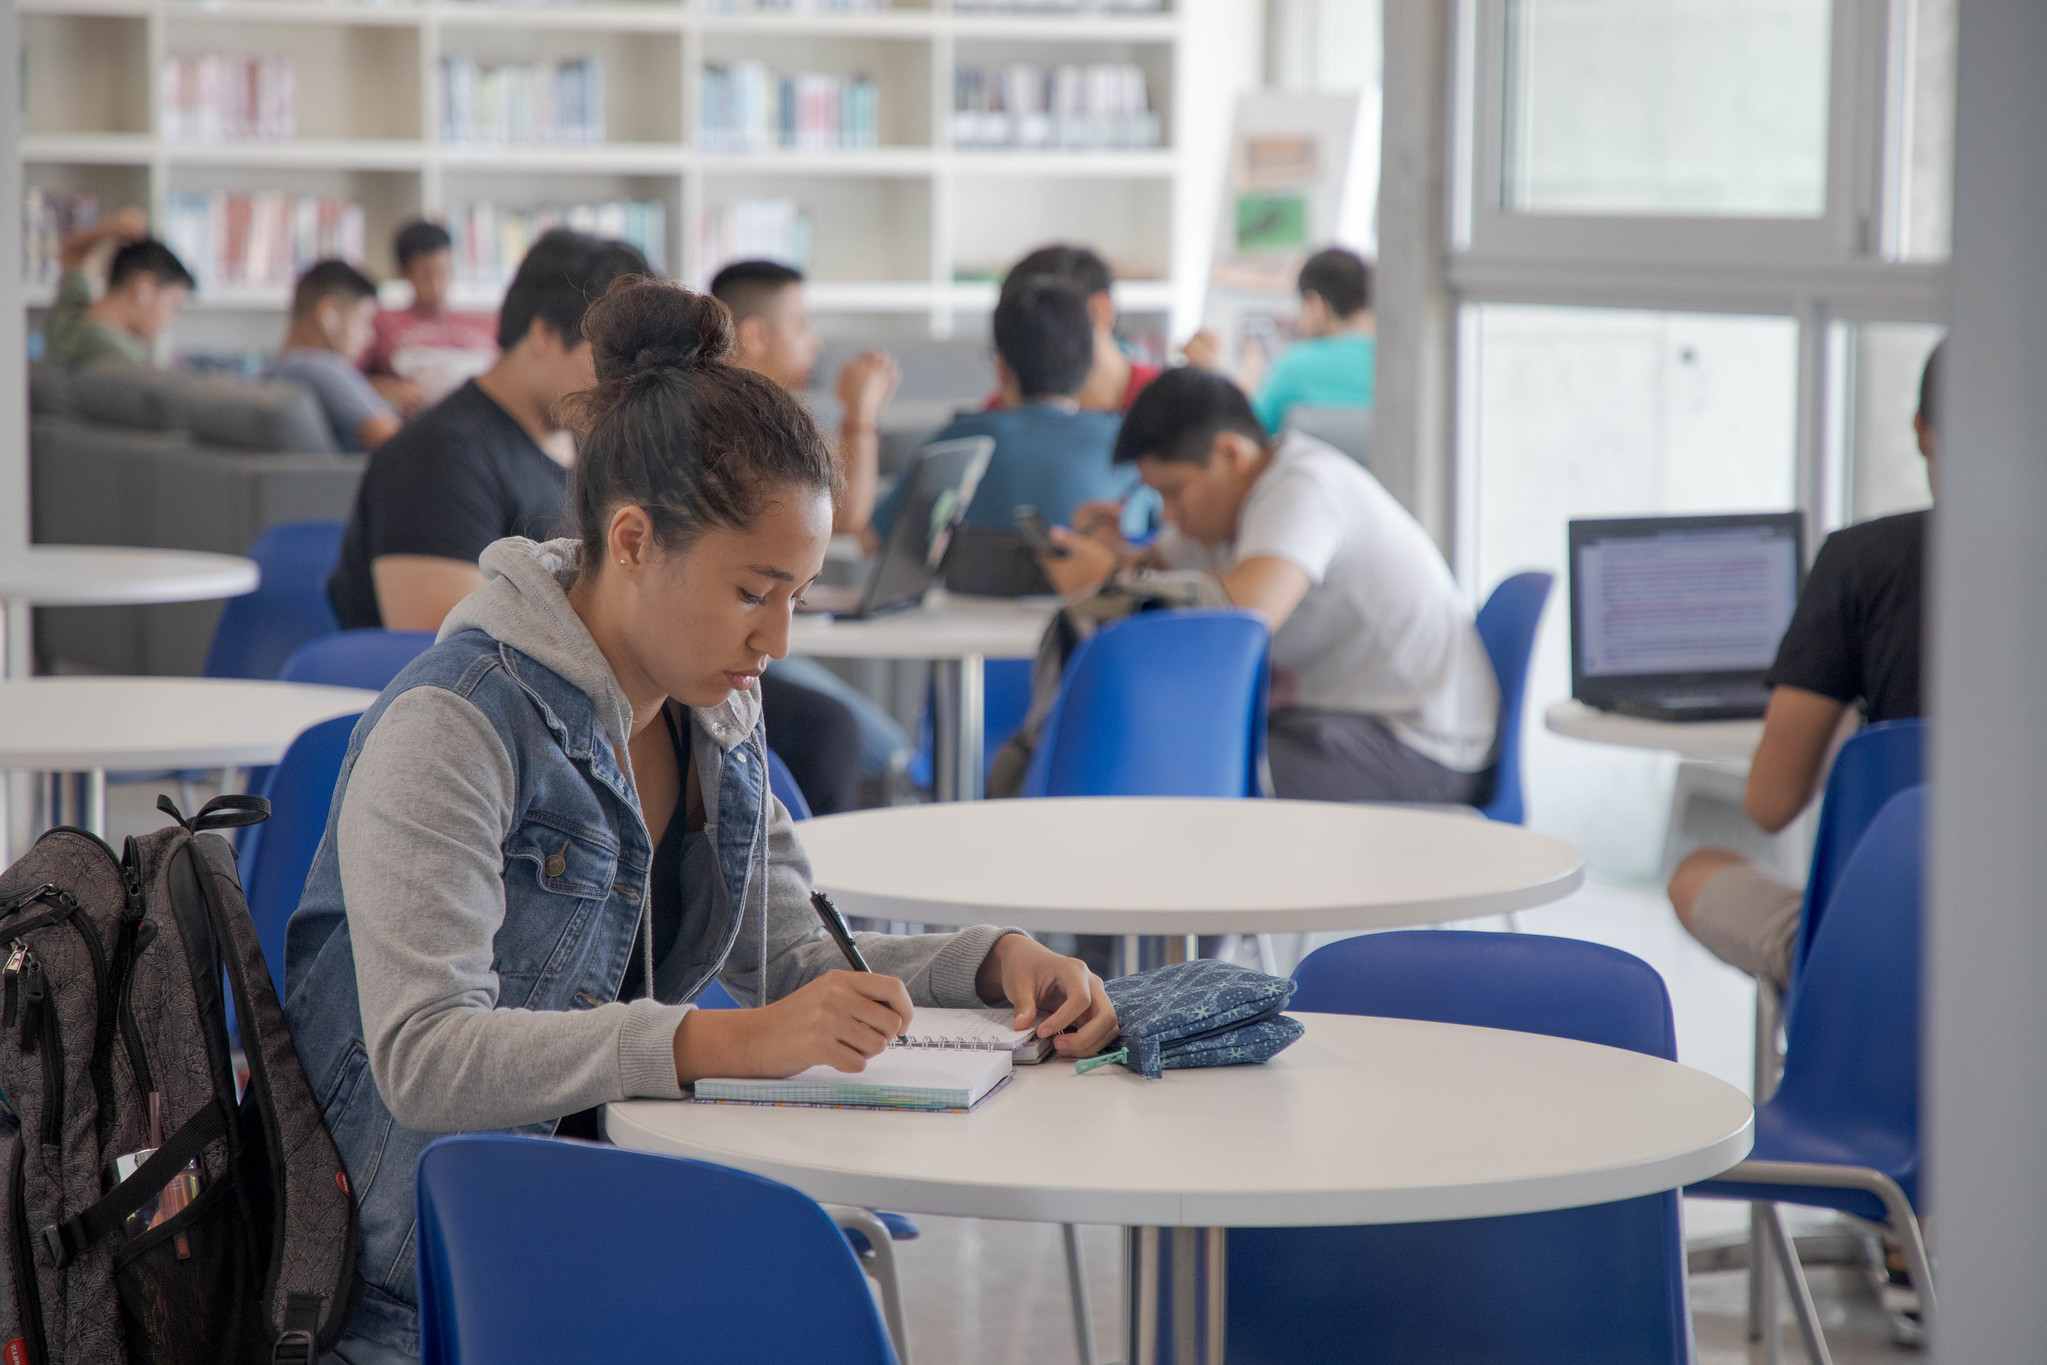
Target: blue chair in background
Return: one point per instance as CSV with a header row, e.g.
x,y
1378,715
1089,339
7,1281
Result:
x,y
1604,1283
1507,624
1005,701
1167,703
1874,764
534,1252
782,783
368,658
274,865
1841,1131
259,630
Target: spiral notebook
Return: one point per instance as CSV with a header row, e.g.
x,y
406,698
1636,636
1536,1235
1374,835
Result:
x,y
974,1031
900,1078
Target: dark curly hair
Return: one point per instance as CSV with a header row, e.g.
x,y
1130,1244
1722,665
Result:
x,y
673,427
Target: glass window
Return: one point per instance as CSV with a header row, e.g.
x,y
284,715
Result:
x,y
1922,118
1588,412
1683,107
1886,472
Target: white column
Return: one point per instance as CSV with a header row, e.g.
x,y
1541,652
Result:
x,y
1987,929
13,321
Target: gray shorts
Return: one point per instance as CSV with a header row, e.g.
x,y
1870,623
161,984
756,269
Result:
x,y
1349,756
1749,919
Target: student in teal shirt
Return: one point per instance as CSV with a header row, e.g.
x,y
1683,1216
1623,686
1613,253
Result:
x,y
1331,365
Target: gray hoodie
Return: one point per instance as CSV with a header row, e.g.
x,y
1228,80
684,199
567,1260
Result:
x,y
420,843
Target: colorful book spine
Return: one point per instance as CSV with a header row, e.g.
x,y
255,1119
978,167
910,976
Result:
x,y
47,218
491,240
1022,104
523,103
218,98
259,240
752,230
745,107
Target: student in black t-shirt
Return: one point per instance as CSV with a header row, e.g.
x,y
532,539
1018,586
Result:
x,y
489,460
1854,640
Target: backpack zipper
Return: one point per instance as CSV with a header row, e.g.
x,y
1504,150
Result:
x,y
39,1033
137,934
27,1293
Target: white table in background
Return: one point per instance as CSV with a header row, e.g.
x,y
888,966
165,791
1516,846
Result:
x,y
1363,1120
957,634
91,726
1729,741
108,576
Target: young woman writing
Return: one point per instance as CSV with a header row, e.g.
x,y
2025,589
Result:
x,y
554,829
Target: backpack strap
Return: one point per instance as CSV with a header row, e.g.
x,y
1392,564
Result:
x,y
222,812
67,1239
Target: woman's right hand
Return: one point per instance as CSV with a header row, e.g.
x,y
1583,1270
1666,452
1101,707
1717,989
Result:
x,y
838,1020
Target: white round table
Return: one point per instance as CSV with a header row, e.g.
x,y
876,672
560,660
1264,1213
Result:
x,y
92,725
1364,1120
1171,866
957,634
1723,740
108,576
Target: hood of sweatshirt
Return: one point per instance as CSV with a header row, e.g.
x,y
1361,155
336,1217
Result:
x,y
524,603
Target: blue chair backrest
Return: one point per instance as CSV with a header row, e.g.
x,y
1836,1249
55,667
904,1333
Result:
x,y
1851,1036
368,658
1602,1283
1874,765
1507,623
1167,703
534,1251
783,784
259,630
1005,701
274,866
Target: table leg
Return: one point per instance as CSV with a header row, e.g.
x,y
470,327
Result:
x,y
958,728
93,801
1178,1295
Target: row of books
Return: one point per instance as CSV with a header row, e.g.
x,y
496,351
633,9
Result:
x,y
224,98
752,230
795,6
1022,104
491,240
522,102
1062,6
264,238
749,108
47,218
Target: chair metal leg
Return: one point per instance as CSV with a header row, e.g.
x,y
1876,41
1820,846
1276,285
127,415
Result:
x,y
1762,1285
1801,1292
880,1265
1083,1306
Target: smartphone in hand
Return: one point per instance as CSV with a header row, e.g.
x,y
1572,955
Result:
x,y
1038,534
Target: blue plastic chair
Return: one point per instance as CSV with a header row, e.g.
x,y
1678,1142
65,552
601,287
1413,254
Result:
x,y
1005,701
368,658
1874,765
1507,624
259,630
1601,1283
1841,1131
533,1252
274,866
782,783
1168,703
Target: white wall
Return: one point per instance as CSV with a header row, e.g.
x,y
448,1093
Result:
x,y
1222,55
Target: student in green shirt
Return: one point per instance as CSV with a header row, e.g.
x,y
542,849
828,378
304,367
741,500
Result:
x,y
1331,365
146,284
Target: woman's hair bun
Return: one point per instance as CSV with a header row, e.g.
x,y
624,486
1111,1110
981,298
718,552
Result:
x,y
646,326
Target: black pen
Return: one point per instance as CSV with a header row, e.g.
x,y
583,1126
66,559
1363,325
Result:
x,y
835,925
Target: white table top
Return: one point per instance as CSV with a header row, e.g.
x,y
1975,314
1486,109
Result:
x,y
79,724
945,627
1362,1121
1709,739
117,575
1147,865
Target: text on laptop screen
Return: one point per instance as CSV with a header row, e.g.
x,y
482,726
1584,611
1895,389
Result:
x,y
1686,601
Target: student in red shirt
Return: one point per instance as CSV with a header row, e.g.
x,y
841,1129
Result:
x,y
1115,379
421,354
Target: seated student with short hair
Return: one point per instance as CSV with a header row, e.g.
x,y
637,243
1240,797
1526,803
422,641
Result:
x,y
421,353
479,465
1331,363
1381,687
1114,379
331,314
146,285
1856,640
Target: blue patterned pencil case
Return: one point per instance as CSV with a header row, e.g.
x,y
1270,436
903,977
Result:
x,y
1201,1013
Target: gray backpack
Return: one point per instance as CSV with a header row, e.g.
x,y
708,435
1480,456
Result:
x,y
149,1213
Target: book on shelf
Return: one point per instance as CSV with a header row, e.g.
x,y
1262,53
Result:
x,y
259,239
491,239
522,102
1059,6
752,230
1070,106
47,218
226,98
746,107
795,6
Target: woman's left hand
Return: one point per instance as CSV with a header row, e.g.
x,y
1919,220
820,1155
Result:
x,y
1051,991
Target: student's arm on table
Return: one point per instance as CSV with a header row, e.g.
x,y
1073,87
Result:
x,y
376,429
1798,733
1267,585
403,394
416,592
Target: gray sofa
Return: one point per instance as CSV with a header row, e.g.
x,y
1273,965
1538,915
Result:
x,y
120,455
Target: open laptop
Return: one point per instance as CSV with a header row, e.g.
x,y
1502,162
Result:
x,y
1678,618
942,484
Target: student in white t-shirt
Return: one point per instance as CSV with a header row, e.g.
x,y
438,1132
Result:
x,y
1381,688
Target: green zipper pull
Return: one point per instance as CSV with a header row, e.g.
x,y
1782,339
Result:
x,y
1087,1064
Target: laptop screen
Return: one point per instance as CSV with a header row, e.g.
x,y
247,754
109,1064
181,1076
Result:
x,y
1681,598
942,484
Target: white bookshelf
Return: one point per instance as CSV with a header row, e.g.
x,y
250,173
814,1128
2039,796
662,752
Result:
x,y
916,227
